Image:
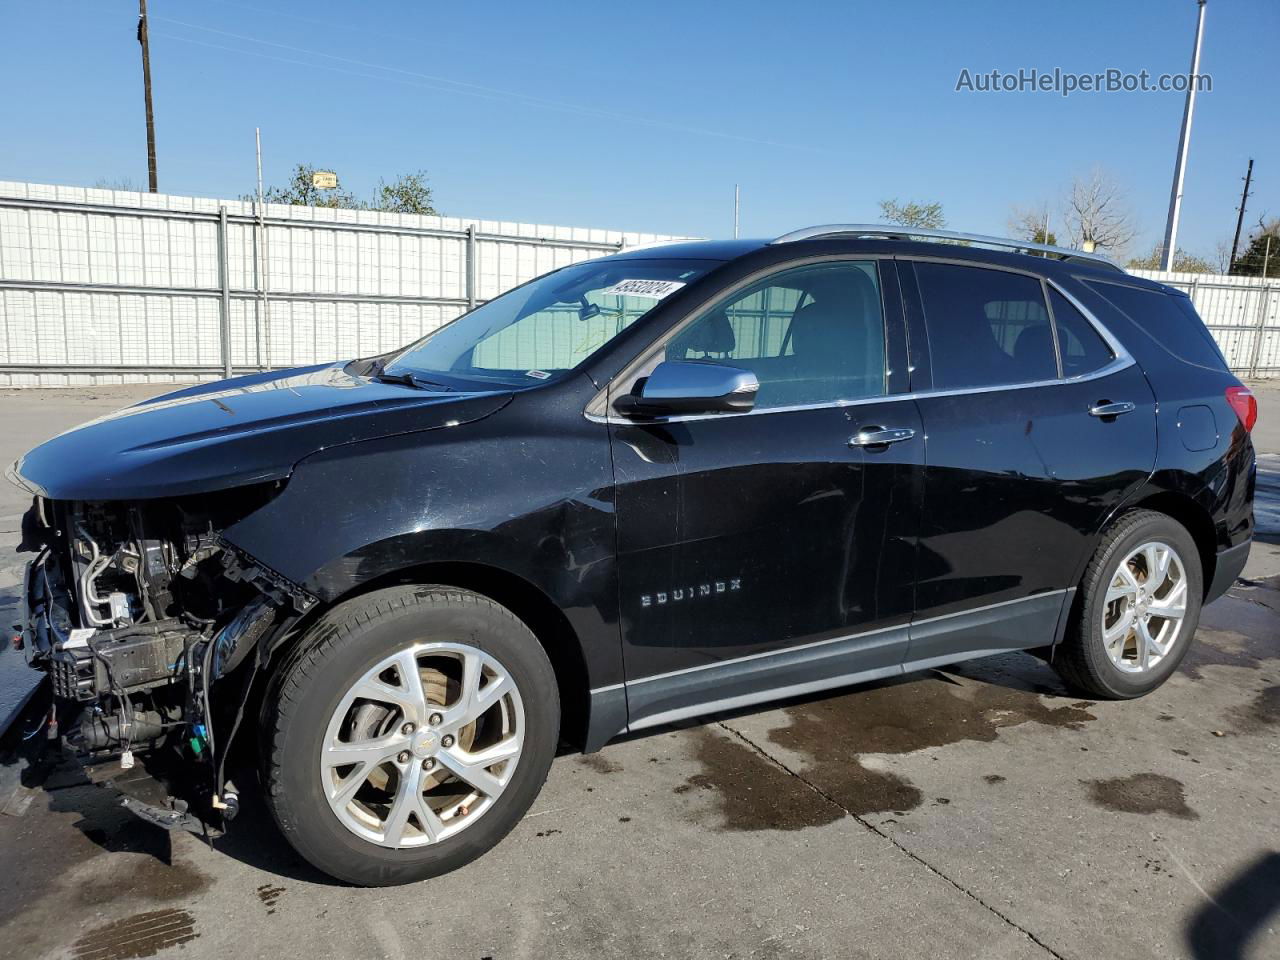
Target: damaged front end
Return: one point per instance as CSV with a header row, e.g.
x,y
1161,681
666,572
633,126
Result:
x,y
140,613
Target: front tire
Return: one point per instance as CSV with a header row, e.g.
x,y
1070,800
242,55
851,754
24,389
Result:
x,y
409,731
1138,609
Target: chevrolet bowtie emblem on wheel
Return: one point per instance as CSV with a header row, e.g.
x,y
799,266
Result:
x,y
697,591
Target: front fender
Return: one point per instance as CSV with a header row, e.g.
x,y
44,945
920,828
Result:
x,y
519,492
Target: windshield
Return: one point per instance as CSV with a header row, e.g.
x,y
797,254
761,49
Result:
x,y
549,325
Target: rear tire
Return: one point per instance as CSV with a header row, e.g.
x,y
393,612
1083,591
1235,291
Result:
x,y
408,733
1118,645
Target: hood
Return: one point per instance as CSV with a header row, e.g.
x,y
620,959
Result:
x,y
234,432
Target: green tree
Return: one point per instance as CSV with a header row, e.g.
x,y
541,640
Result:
x,y
1254,260
406,194
300,191
1182,261
912,214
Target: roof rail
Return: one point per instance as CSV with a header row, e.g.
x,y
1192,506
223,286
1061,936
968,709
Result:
x,y
879,230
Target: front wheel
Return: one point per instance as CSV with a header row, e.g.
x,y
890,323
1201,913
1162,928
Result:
x,y
1138,610
410,731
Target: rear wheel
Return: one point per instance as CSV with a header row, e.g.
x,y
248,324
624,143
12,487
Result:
x,y
411,731
1138,610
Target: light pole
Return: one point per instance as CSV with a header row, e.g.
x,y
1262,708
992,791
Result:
x,y
1184,144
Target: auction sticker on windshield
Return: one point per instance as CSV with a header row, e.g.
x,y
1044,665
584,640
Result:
x,y
653,289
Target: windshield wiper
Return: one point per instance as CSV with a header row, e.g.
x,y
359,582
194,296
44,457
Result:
x,y
411,379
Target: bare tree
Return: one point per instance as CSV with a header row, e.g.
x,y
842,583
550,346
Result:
x,y
1095,213
117,183
1032,224
1222,256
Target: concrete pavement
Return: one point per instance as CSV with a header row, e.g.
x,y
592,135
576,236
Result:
x,y
972,812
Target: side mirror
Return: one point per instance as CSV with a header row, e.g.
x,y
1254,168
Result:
x,y
690,386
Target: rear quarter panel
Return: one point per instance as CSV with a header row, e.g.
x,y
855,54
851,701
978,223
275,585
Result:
x,y
1204,454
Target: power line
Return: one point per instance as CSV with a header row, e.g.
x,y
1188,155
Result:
x,y
449,85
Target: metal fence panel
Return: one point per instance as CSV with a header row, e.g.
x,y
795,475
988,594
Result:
x,y
102,286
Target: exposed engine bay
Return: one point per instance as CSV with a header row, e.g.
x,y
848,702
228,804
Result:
x,y
140,613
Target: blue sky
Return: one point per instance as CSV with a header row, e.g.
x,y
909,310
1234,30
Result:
x,y
642,116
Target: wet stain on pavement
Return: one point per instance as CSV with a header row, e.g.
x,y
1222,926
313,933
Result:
x,y
1217,649
897,718
750,793
150,880
142,935
993,778
1144,793
269,894
600,763
1260,713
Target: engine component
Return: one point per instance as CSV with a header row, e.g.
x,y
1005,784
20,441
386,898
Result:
x,y
101,731
116,661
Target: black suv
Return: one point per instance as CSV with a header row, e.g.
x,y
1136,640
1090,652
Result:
x,y
678,480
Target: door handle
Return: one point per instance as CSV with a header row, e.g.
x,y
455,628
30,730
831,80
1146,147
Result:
x,y
1106,409
880,436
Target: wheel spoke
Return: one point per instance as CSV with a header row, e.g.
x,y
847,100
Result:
x,y
1151,560
363,751
408,694
473,700
1160,572
428,819
1172,607
1146,644
341,795
1119,630
1123,584
471,768
408,800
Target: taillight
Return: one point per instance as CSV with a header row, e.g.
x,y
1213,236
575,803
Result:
x,y
1245,404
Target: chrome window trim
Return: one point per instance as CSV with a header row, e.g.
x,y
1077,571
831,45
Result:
x,y
631,370
1121,357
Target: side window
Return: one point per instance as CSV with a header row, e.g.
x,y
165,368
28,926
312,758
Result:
x,y
1082,347
810,335
1170,320
986,328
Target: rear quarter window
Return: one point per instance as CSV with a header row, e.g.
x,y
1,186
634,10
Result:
x,y
1170,320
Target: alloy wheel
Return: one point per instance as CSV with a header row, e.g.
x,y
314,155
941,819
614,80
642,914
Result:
x,y
1146,605
422,744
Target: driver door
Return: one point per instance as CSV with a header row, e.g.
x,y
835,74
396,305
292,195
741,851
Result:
x,y
761,554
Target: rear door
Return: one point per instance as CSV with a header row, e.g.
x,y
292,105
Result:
x,y
1039,424
762,552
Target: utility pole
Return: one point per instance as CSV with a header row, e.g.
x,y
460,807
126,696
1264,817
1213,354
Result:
x,y
1244,198
737,196
1184,144
144,40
